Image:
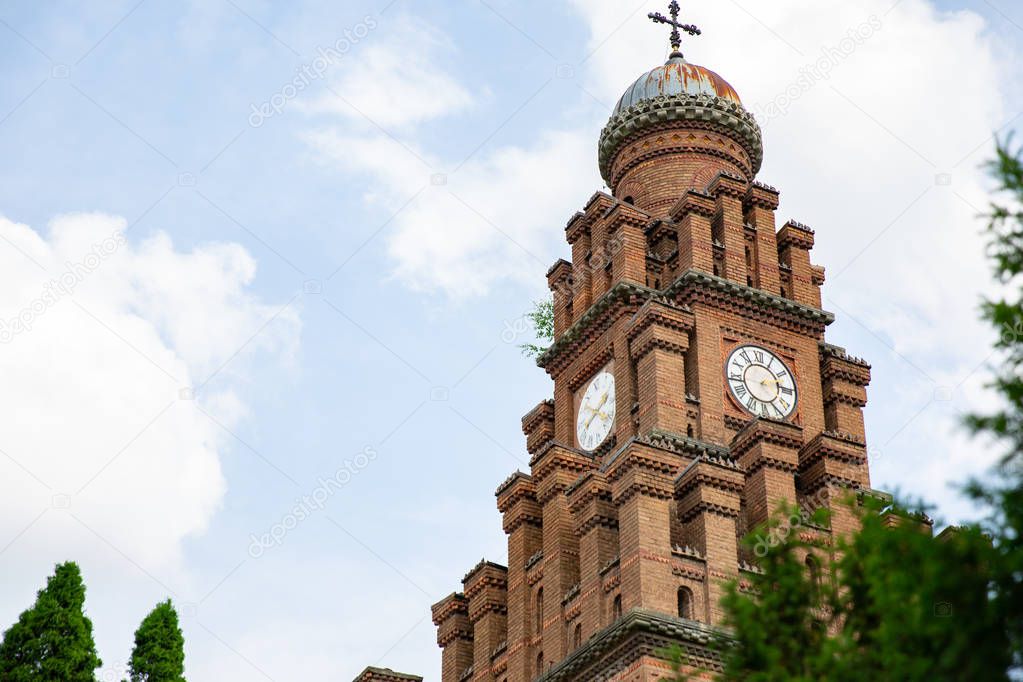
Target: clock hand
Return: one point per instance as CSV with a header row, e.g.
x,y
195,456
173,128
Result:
x,y
596,409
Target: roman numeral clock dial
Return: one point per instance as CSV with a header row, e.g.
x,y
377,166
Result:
x,y
761,382
596,412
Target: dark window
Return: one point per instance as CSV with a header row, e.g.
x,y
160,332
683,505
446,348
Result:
x,y
629,200
616,608
813,567
577,638
539,611
685,603
539,664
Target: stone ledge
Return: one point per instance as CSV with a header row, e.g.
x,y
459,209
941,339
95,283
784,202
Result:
x,y
645,632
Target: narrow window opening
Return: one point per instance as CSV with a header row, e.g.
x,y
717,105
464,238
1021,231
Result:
x,y
685,603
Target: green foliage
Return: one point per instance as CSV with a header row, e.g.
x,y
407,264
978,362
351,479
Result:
x,y
159,654
1004,495
52,641
542,319
890,602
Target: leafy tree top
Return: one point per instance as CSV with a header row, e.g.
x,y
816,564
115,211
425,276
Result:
x,y
52,640
159,653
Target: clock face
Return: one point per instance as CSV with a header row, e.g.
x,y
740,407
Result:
x,y
596,412
761,382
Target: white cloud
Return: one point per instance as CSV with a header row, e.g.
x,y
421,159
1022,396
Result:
x,y
393,83
92,388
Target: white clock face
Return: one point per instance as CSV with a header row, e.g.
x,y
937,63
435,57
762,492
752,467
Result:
x,y
596,412
761,382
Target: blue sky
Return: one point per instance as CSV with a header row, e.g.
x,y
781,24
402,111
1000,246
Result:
x,y
341,288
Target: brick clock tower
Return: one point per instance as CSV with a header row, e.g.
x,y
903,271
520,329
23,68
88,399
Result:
x,y
693,393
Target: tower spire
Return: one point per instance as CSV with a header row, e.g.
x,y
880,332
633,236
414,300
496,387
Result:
x,y
676,27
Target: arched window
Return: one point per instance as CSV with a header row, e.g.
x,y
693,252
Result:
x,y
813,567
616,607
577,638
539,611
630,200
685,603
539,664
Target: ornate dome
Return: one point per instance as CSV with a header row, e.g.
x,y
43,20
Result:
x,y
680,96
676,77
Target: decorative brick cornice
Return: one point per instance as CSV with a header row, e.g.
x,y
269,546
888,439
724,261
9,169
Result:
x,y
662,313
451,616
534,560
451,605
756,304
689,447
516,484
725,184
837,364
724,115
640,469
484,574
637,634
832,459
659,325
622,214
559,272
516,500
486,588
543,412
372,674
584,373
691,286
637,455
796,235
556,467
692,202
576,226
760,195
538,426
589,501
767,431
592,324
711,486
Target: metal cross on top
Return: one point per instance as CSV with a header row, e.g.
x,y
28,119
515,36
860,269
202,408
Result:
x,y
676,37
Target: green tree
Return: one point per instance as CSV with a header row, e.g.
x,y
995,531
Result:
x,y
52,641
1003,493
890,602
542,319
159,653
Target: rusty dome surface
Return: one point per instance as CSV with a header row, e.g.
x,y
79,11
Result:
x,y
677,77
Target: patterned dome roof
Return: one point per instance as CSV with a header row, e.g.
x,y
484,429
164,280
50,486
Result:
x,y
677,77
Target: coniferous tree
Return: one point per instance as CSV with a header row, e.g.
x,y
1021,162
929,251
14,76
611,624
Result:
x,y
159,653
52,641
